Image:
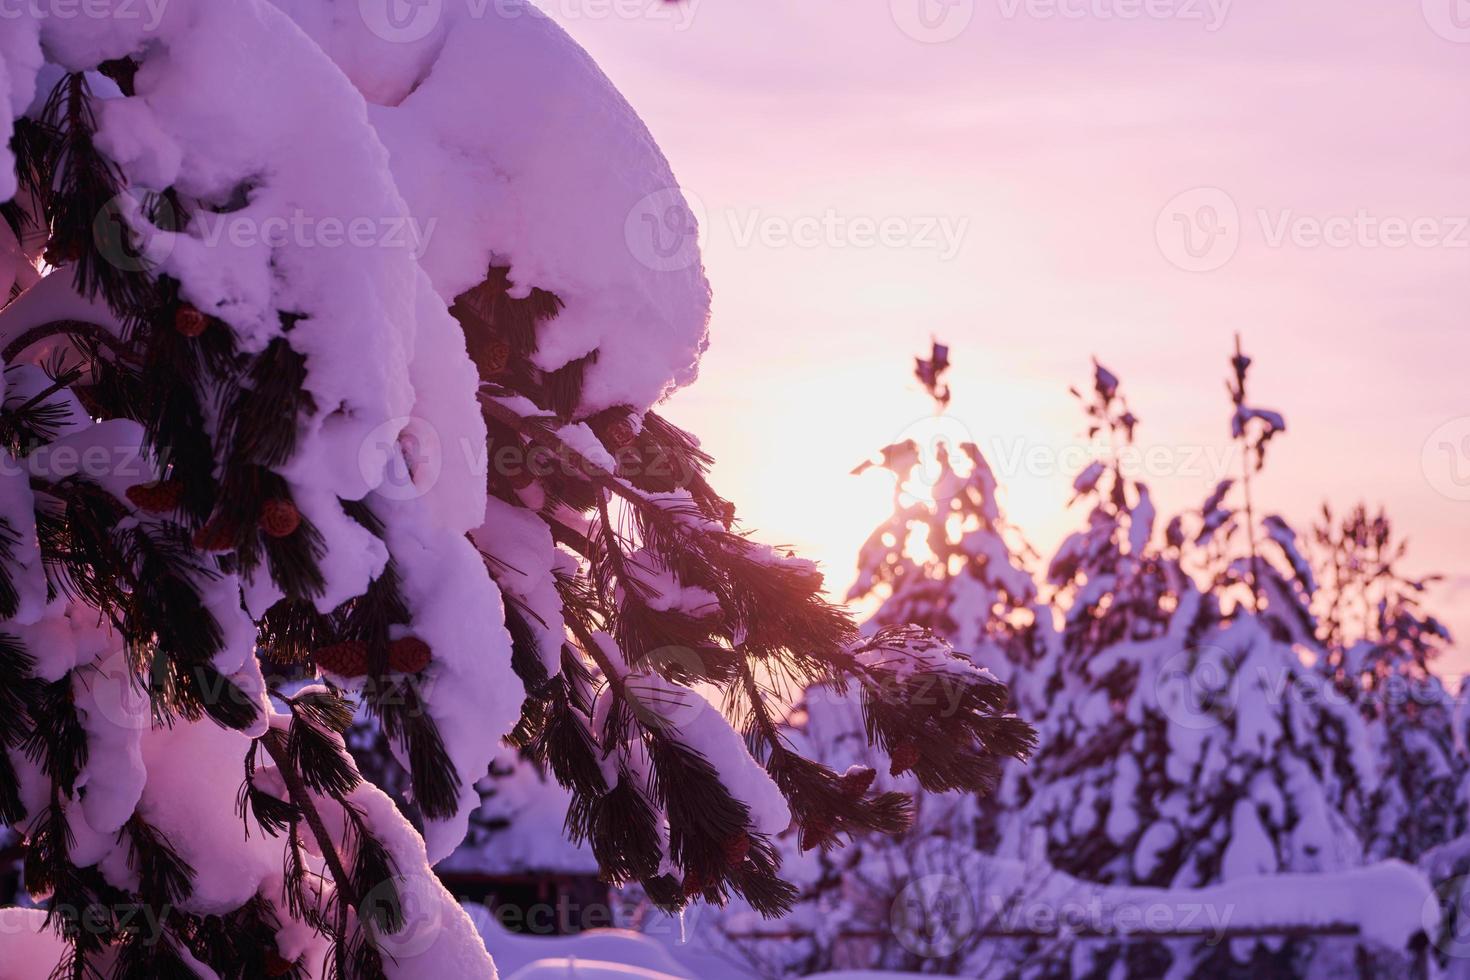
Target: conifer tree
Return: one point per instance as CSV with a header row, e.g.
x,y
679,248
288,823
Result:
x,y
947,562
1186,742
251,403
946,558
1381,646
1380,649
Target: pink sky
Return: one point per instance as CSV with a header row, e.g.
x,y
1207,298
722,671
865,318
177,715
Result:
x,y
1051,139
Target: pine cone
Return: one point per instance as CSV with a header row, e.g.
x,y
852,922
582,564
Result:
x,y
63,252
497,357
279,518
346,659
856,782
694,884
277,965
815,831
189,321
905,757
157,498
736,848
409,655
617,433
216,535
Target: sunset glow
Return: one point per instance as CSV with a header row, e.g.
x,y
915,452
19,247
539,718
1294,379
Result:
x,y
1056,144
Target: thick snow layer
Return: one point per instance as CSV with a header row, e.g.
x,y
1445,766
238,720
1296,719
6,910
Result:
x,y
571,968
115,712
197,815
315,241
438,938
20,59
472,693
521,549
444,442
1385,902
514,952
50,299
510,144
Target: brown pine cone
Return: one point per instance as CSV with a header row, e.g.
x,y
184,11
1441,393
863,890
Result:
x,y
409,655
189,321
694,884
737,848
216,535
157,498
277,965
815,832
617,433
279,518
905,757
63,252
346,659
856,782
496,357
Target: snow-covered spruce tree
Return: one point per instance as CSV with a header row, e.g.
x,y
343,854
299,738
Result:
x,y
1187,742
1116,596
1380,645
238,426
945,560
1102,575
